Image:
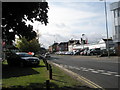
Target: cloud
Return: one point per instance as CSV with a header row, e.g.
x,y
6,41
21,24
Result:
x,y
70,20
80,0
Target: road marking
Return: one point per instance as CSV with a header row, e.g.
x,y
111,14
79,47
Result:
x,y
106,73
100,71
117,75
77,68
112,72
85,69
85,80
95,71
90,69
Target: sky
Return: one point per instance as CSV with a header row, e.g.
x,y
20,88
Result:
x,y
70,19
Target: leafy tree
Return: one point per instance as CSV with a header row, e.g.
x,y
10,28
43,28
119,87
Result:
x,y
28,46
15,13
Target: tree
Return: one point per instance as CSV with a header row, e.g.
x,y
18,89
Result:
x,y
15,13
28,46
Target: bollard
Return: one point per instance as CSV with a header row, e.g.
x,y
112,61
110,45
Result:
x,y
50,71
47,85
46,64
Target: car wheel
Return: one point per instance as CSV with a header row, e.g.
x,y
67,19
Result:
x,y
91,54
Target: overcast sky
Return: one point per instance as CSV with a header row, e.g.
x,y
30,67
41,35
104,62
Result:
x,y
69,20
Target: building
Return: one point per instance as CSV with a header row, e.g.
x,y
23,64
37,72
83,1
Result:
x,y
55,47
50,49
115,8
102,44
63,46
72,43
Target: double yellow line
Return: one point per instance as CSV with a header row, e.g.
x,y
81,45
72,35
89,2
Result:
x,y
90,83
80,78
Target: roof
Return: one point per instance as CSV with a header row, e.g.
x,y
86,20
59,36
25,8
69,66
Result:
x,y
114,5
108,39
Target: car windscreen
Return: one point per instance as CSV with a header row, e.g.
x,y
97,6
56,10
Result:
x,y
24,55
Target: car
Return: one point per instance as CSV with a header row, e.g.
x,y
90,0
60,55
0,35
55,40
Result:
x,y
47,55
95,51
22,59
112,52
69,53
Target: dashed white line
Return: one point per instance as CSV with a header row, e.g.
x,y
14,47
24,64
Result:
x,y
106,73
117,75
100,71
90,69
85,69
111,72
95,71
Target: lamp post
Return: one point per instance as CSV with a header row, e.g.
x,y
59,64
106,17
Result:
x,y
106,26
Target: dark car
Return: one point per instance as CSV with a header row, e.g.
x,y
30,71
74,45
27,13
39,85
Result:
x,y
22,59
95,51
112,52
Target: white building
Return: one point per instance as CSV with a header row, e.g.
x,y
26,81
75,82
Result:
x,y
102,44
115,8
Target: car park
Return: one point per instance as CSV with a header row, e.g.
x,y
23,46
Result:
x,y
22,59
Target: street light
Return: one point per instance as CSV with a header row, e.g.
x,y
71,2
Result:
x,y
106,26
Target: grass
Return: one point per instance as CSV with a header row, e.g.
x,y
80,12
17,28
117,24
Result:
x,y
35,77
16,76
61,79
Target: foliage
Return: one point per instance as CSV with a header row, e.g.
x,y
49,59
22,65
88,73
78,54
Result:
x,y
15,13
28,46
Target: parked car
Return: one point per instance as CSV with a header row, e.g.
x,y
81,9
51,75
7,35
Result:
x,y
112,52
47,55
68,53
22,59
85,52
77,52
95,51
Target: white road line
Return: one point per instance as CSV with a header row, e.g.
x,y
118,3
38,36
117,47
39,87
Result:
x,y
90,69
65,66
84,69
117,75
112,72
95,71
106,73
101,70
77,68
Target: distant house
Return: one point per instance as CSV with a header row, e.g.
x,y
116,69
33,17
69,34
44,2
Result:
x,y
53,48
50,49
63,46
72,43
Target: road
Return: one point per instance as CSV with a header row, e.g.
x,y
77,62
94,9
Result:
x,y
101,70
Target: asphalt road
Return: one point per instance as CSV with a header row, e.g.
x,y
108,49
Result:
x,y
101,70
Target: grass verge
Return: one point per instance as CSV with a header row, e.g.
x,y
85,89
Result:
x,y
31,78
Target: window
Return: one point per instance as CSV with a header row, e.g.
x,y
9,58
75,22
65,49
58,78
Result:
x,y
119,12
115,13
119,29
116,29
